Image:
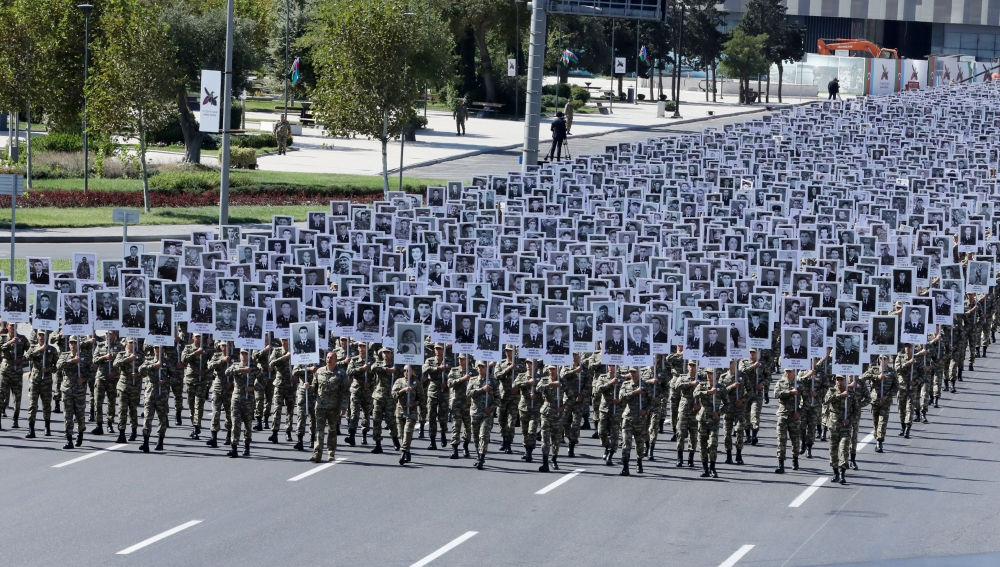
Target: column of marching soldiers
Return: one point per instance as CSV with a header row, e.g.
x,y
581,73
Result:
x,y
629,407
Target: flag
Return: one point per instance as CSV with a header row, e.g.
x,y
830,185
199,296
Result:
x,y
644,55
296,67
568,57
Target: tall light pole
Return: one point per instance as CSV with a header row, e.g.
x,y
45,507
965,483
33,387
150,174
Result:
x,y
533,98
287,70
677,61
402,126
87,9
517,57
638,52
227,94
611,103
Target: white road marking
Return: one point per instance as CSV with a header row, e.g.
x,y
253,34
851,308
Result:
x,y
158,537
451,545
315,470
89,455
808,492
560,482
736,556
864,442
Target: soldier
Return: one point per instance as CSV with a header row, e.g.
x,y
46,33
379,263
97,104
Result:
x,y
408,393
908,376
973,329
529,408
284,389
282,131
72,373
942,362
660,384
550,387
129,388
157,399
507,397
264,394
687,409
222,391
331,387
175,370
481,394
634,402
42,359
734,383
460,114
11,377
959,338
577,383
813,390
385,373
931,365
838,421
461,420
305,401
758,383
882,384
107,380
362,384
196,357
246,377
789,418
87,344
598,369
610,426
435,369
860,398
676,364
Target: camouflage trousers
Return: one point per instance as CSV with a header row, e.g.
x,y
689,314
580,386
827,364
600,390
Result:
x,y
973,338
75,408
284,398
10,386
572,419
735,423
361,410
40,389
176,388
675,402
655,415
687,430
156,403
756,403
789,429
926,392
907,404
482,424
326,417
610,429
128,408
810,419
552,432
221,403
382,409
196,402
243,411
938,379
405,422
507,416
880,418
105,388
633,431
840,443
529,427
708,438
262,400
461,423
306,406
595,408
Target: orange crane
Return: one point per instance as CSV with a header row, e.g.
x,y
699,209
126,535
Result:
x,y
829,46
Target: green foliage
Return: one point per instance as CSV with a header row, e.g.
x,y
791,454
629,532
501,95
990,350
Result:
x,y
743,56
57,142
255,141
243,158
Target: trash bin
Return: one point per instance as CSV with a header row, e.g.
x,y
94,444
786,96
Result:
x,y
631,94
661,109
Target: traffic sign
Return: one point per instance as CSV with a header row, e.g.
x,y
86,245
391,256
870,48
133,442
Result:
x,y
11,185
619,65
131,216
512,67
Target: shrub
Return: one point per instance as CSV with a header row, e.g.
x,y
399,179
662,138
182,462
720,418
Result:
x,y
256,141
671,106
56,142
641,96
564,90
581,94
243,158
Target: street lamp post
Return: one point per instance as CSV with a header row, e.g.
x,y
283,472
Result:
x,y
677,62
87,9
287,70
402,126
517,56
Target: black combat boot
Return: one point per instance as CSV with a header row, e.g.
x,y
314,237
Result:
x,y
825,431
31,430
259,426
545,463
625,471
691,458
936,400
196,434
843,475
69,441
111,426
57,410
729,456
434,444
878,447
753,440
907,434
509,450
178,421
704,466
711,467
288,435
673,438
99,430
395,443
836,475
586,423
444,439
229,437
121,437
133,435
351,432
767,399
555,462
638,465
854,463
378,447
402,458
79,438
572,446
809,451
611,457
739,456
781,467
274,437
298,444
819,431
234,452
465,449
454,452
902,430
530,457
159,443
595,434
145,443
971,369
479,463
267,421
214,441
48,428
795,462
422,430
924,413
91,416
652,447
959,374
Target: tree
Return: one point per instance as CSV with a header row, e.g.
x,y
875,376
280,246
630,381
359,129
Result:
x,y
133,89
742,56
299,12
371,64
483,18
784,40
791,48
585,37
704,38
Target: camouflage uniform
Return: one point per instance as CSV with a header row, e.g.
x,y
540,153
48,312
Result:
x,y
406,406
734,419
262,396
437,398
382,402
789,420
813,388
40,384
675,362
362,385
658,393
174,368
129,388
505,372
243,403
611,418
74,394
882,385
157,401
529,408
687,424
713,406
758,382
597,369
196,372
284,392
931,365
634,403
960,340
552,414
106,383
221,394
331,389
11,373
482,409
909,373
973,329
305,404
576,389
840,410
860,399
942,358
461,421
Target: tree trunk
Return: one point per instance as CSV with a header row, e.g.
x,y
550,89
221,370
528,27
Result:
x,y
706,83
142,159
620,77
660,81
485,63
781,72
27,170
189,127
649,73
758,88
768,95
715,81
385,151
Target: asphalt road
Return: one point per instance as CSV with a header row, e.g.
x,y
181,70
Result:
x,y
934,495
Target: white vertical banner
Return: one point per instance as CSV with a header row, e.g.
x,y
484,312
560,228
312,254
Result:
x,y
619,65
512,67
210,97
914,75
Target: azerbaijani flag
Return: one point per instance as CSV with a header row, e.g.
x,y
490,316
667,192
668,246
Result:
x,y
568,57
296,67
644,55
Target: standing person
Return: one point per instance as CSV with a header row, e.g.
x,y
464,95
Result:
x,y
73,383
196,369
558,128
659,380
264,395
11,377
175,369
435,369
129,387
408,393
634,403
461,421
882,384
222,394
507,397
42,359
551,389
460,114
246,377
734,382
713,401
838,420
107,379
908,375
529,408
330,386
284,389
833,87
385,374
305,403
282,131
568,112
859,400
789,418
758,382
676,364
597,369
577,385
687,409
157,396
482,396
359,372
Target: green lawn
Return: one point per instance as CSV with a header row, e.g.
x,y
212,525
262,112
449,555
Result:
x,y
263,177
101,216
